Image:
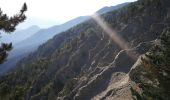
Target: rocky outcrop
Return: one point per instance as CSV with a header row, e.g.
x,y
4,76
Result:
x,y
111,82
149,76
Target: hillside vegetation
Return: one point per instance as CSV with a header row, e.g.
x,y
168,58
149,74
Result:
x,y
84,63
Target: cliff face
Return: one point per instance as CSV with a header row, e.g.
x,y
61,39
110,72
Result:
x,y
85,63
109,82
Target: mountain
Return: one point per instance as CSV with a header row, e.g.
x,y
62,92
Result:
x,y
19,35
42,23
123,54
24,46
111,8
45,34
30,44
15,38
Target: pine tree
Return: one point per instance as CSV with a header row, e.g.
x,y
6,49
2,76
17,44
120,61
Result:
x,y
8,24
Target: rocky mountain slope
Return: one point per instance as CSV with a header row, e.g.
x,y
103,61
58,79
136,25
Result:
x,y
85,63
32,42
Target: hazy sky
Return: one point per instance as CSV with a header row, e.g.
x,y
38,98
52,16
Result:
x,y
56,11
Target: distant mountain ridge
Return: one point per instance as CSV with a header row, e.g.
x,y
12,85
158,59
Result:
x,y
31,43
20,35
45,34
15,38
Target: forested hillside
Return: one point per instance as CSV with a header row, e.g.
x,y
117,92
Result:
x,y
32,42
85,63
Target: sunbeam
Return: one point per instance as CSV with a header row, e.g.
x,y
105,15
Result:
x,y
124,45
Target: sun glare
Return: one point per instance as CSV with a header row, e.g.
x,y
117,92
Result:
x,y
124,45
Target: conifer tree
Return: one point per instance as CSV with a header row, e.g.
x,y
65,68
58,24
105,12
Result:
x,y
7,25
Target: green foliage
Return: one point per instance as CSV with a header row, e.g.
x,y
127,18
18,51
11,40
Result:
x,y
152,93
8,24
136,95
68,87
165,40
4,89
157,64
19,93
159,55
3,51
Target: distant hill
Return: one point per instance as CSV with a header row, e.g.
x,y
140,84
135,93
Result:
x,y
45,34
42,23
30,44
16,37
20,35
22,47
